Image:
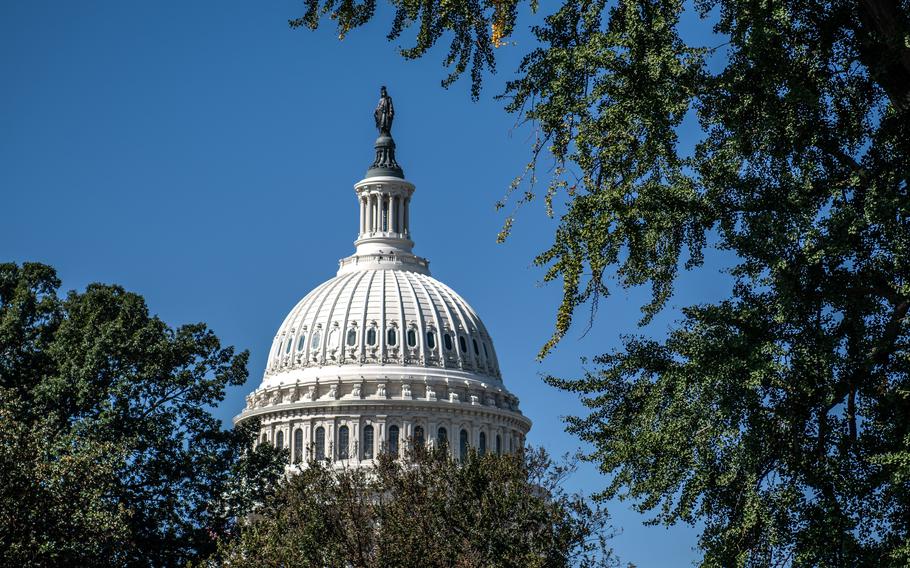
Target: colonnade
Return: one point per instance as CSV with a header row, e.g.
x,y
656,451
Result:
x,y
384,213
303,446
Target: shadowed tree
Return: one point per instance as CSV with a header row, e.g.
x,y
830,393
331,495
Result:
x,y
426,510
108,453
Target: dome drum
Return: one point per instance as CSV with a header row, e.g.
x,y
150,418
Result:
x,y
369,430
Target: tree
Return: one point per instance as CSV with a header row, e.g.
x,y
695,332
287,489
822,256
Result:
x,y
777,417
108,453
426,510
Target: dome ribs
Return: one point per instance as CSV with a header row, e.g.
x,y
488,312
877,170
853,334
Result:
x,y
403,324
419,320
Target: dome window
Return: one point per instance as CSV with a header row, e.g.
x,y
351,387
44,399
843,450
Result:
x,y
482,447
279,440
447,341
498,445
352,337
463,444
317,337
393,440
463,344
334,338
320,443
476,349
298,445
392,336
431,340
442,437
418,438
301,342
412,338
371,336
368,442
344,441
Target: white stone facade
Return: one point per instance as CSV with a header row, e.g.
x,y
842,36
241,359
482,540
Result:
x,y
382,355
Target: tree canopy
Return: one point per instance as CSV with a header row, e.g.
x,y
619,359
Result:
x,y
776,417
426,509
109,455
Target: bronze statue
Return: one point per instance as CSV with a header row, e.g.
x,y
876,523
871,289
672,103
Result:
x,y
384,113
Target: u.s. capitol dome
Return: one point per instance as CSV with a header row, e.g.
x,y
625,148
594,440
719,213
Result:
x,y
383,354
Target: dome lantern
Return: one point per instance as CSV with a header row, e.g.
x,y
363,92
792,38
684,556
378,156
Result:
x,y
384,198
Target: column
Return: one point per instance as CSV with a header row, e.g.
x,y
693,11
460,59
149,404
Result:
x,y
384,215
369,206
355,440
407,217
376,213
375,198
308,440
396,203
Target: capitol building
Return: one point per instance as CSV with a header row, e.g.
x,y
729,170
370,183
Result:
x,y
383,354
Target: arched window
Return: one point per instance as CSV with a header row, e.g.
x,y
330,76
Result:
x,y
287,348
368,442
317,337
393,440
298,445
371,336
334,338
352,337
344,442
391,336
510,444
498,445
412,337
418,437
442,437
279,440
301,342
483,443
265,438
431,340
320,443
447,341
463,344
476,349
463,444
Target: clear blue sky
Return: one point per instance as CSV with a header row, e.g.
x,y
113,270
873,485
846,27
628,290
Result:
x,y
202,154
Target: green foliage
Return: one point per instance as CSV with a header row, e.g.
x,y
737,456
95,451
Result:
x,y
777,418
426,510
108,454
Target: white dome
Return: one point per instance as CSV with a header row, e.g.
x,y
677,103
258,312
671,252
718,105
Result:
x,y
383,353
377,316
